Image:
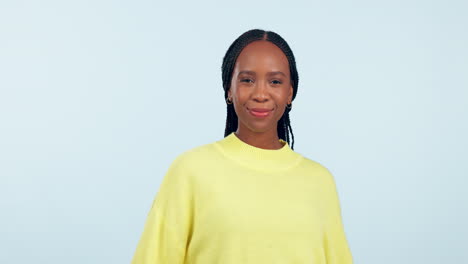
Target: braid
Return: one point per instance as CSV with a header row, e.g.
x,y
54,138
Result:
x,y
288,123
229,61
231,120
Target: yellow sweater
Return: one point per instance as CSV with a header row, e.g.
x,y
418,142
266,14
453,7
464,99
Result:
x,y
229,202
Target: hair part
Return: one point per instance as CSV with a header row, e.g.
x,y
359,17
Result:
x,y
229,61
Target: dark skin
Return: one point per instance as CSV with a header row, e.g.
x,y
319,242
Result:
x,y
261,79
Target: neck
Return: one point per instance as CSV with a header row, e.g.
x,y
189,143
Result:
x,y
264,140
260,159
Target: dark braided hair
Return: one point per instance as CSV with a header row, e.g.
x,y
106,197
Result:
x,y
229,61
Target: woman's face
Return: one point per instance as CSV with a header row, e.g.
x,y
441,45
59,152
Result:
x,y
260,82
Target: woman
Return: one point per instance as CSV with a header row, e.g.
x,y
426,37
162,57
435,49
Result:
x,y
249,197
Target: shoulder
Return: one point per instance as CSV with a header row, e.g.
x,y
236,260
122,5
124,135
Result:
x,y
317,169
322,178
311,164
194,157
184,168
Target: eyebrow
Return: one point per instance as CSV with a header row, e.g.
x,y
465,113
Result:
x,y
269,73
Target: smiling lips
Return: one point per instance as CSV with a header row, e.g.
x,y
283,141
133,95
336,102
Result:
x,y
259,112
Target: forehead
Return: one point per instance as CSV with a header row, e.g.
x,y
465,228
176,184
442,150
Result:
x,y
260,55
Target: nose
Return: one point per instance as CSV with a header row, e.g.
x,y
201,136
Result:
x,y
260,93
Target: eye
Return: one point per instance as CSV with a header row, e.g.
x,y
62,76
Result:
x,y
276,82
247,80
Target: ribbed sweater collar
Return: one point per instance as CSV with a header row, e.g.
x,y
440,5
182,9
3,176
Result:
x,y
258,158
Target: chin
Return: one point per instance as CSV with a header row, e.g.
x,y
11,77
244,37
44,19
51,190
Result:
x,y
260,128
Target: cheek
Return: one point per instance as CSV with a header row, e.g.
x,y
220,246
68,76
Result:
x,y
281,96
241,94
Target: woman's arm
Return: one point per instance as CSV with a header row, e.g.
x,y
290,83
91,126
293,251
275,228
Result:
x,y
168,224
337,250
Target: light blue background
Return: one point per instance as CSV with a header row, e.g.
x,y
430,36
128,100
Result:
x,y
98,97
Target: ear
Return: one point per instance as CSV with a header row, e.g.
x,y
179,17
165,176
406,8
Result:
x,y
290,95
229,93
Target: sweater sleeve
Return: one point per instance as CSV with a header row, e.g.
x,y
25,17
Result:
x,y
337,250
168,225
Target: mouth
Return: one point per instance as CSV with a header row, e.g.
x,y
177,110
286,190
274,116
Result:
x,y
259,112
